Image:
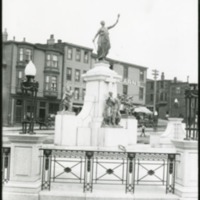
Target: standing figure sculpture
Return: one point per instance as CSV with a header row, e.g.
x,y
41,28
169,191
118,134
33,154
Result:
x,y
108,111
67,99
103,40
116,111
111,115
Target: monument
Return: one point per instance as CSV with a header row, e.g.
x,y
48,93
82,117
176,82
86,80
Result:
x,y
99,123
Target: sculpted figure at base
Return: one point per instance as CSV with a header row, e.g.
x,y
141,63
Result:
x,y
67,99
111,115
103,40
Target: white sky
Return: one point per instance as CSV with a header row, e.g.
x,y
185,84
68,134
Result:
x,y
158,34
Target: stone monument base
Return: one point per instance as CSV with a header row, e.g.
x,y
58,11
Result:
x,y
69,133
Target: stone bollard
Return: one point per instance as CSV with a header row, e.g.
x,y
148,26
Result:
x,y
186,175
25,167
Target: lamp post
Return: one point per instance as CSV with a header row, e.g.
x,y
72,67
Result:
x,y
176,104
29,87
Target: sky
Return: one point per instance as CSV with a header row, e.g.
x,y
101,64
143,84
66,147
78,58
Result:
x,y
157,34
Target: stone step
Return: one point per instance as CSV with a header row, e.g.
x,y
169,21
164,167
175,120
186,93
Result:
x,y
105,192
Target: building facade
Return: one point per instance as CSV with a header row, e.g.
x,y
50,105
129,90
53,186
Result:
x,y
166,93
59,64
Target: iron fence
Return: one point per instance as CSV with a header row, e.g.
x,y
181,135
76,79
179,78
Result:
x,y
5,164
90,168
192,125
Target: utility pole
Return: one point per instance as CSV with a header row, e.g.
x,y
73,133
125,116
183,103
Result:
x,y
155,74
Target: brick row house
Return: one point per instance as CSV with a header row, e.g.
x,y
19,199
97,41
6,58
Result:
x,y
166,93
58,64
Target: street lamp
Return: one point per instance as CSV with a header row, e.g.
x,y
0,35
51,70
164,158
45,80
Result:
x,y
176,102
29,87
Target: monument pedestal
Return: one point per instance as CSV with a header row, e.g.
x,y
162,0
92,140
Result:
x,y
174,130
186,180
86,128
65,128
25,167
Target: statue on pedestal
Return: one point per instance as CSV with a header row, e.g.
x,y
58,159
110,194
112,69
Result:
x,y
103,40
111,115
67,99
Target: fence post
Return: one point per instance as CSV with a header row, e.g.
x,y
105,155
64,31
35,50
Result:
x,y
130,173
88,174
46,170
25,167
186,176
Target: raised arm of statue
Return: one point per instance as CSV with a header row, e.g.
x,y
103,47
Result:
x,y
109,27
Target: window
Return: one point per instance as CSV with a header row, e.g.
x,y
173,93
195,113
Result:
x,y
162,84
54,83
69,53
152,85
86,57
52,60
25,54
69,74
21,54
51,83
125,73
76,93
141,75
55,61
28,55
78,55
19,78
141,93
42,104
161,96
178,90
77,75
48,60
125,89
151,97
83,94
53,108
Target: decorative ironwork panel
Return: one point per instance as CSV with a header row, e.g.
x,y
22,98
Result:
x,y
110,155
68,153
151,156
106,167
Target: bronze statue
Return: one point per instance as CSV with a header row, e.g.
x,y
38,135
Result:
x,y
116,116
67,99
108,111
103,39
111,113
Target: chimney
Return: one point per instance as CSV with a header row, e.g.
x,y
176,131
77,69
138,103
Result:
x,y
162,76
187,79
24,40
5,35
13,38
51,40
175,79
59,41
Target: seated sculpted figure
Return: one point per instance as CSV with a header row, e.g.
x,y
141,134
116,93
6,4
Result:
x,y
67,99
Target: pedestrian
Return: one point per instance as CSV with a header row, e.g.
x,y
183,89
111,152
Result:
x,y
143,131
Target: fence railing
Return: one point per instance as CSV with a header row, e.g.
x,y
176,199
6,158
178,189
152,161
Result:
x,y
192,125
90,168
5,164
